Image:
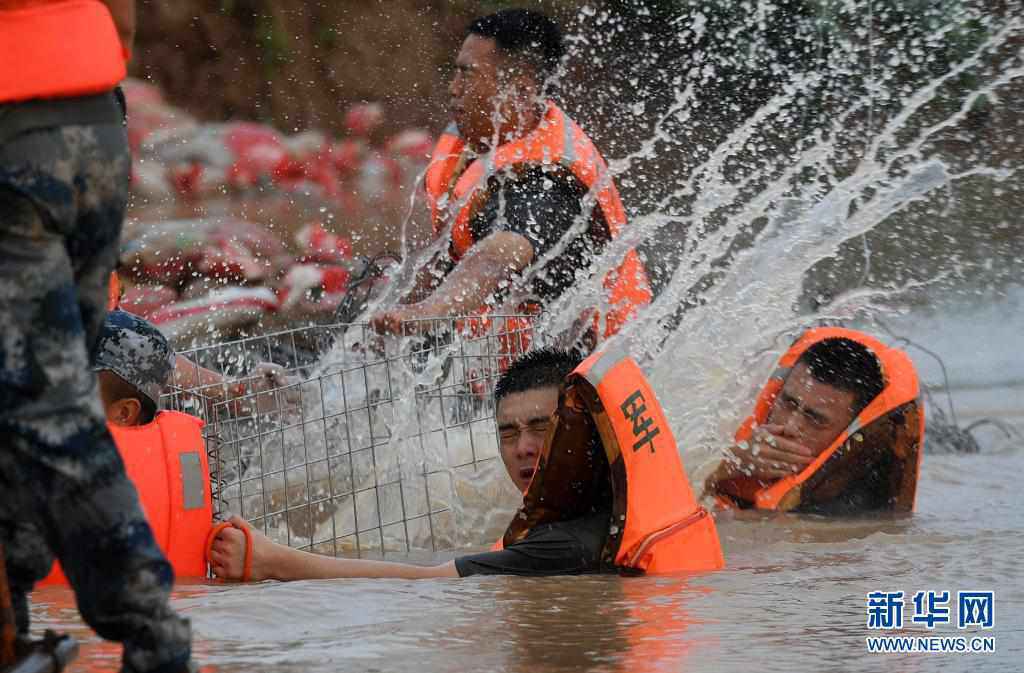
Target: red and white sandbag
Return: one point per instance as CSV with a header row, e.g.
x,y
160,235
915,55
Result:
x,y
411,144
318,246
219,312
174,251
362,119
312,290
144,300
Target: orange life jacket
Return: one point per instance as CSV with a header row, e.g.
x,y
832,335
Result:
x,y
886,436
58,49
113,291
166,460
656,525
557,140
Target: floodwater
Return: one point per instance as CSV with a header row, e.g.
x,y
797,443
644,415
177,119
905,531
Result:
x,y
792,599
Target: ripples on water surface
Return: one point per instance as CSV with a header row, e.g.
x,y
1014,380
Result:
x,y
792,599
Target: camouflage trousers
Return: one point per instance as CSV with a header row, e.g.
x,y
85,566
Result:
x,y
63,489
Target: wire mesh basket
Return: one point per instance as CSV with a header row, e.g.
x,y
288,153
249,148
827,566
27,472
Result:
x,y
358,449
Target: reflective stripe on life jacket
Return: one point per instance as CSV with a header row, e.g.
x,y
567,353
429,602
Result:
x,y
886,436
166,460
58,49
456,195
656,524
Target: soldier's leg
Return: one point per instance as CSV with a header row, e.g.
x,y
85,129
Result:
x,y
26,554
60,218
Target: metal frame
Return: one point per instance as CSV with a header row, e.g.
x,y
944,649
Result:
x,y
356,453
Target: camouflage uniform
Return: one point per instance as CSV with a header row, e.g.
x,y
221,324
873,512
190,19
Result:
x,y
64,169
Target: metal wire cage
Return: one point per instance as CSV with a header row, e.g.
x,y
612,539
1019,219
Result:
x,y
352,443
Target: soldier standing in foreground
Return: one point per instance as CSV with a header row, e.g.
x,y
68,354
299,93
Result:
x,y
64,167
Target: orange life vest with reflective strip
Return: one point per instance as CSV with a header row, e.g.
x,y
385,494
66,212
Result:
x,y
886,436
58,49
656,525
455,198
166,460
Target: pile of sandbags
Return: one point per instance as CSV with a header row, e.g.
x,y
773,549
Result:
x,y
177,157
236,225
212,277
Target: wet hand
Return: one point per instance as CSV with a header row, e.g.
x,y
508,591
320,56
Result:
x,y
278,389
771,453
395,321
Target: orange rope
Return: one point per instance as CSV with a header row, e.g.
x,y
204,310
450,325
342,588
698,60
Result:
x,y
212,537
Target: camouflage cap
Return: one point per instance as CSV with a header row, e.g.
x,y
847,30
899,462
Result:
x,y
135,350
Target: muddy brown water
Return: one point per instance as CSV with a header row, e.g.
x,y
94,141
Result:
x,y
792,599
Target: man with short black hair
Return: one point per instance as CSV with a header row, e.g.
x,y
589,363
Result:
x,y
831,383
526,398
524,195
810,416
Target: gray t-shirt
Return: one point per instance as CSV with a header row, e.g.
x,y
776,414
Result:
x,y
564,548
542,204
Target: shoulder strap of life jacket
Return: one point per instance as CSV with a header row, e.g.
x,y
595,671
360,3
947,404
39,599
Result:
x,y
441,174
608,406
58,49
114,290
884,438
663,529
557,140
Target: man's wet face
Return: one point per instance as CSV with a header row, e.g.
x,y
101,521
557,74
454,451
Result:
x,y
811,412
523,421
473,90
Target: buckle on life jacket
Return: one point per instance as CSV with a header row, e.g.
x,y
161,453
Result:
x,y
657,536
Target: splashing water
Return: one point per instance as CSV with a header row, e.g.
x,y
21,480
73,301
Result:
x,y
752,236
842,157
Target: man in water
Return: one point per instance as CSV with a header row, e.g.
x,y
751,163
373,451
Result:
x,y
814,431
589,444
524,195
526,398
64,167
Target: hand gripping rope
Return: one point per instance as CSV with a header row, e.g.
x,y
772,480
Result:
x,y
212,537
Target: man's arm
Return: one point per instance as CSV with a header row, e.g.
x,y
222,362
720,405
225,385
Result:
x,y
429,276
268,387
123,12
294,564
490,263
189,375
566,548
278,562
534,213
